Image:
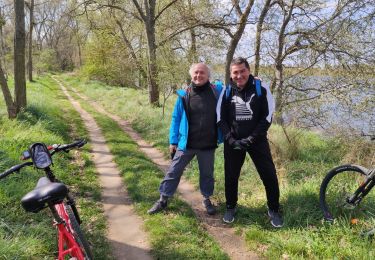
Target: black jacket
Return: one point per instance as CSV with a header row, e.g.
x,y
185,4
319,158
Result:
x,y
242,113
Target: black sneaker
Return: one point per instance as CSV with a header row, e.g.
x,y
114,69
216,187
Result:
x,y
157,207
210,208
229,215
276,219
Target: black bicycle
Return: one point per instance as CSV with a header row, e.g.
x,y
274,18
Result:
x,y
343,190
50,192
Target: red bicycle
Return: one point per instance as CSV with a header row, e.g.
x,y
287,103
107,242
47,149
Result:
x,y
50,192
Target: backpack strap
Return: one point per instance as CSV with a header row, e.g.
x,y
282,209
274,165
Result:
x,y
185,101
214,90
258,87
227,91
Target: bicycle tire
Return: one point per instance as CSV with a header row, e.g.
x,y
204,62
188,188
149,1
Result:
x,y
78,234
338,184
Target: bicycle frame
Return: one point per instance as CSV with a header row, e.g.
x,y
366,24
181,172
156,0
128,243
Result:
x,y
62,222
363,189
65,236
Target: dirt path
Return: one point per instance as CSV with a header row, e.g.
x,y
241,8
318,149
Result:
x,y
231,243
125,232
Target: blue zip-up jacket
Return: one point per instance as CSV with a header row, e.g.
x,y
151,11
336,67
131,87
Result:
x,y
179,129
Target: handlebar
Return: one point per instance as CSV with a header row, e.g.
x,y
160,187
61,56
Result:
x,y
55,148
14,168
66,147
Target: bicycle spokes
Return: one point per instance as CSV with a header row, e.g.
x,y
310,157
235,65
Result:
x,y
344,194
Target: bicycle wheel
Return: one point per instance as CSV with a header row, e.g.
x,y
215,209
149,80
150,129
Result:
x,y
338,185
77,233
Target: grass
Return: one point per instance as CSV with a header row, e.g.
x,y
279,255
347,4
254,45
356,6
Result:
x,y
48,118
301,165
175,234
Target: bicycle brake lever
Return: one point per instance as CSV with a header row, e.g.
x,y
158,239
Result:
x,y
25,155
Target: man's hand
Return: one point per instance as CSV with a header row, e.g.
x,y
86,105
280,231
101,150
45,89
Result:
x,y
172,150
246,142
235,144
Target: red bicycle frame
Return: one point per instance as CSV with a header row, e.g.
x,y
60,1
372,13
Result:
x,y
66,241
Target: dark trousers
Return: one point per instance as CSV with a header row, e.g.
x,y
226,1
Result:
x,y
261,155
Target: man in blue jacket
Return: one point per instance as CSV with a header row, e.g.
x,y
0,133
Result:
x,y
193,132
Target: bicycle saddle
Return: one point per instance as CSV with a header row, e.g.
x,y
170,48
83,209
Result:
x,y
44,192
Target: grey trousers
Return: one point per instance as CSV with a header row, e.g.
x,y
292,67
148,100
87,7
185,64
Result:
x,y
181,159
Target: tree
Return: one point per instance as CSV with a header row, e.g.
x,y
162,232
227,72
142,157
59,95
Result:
x,y
30,39
11,106
157,29
19,55
148,15
14,107
57,36
235,38
301,34
258,36
131,49
2,44
348,63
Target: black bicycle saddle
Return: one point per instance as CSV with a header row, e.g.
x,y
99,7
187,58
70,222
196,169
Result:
x,y
44,192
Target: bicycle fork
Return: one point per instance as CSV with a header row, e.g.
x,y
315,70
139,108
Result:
x,y
71,202
362,190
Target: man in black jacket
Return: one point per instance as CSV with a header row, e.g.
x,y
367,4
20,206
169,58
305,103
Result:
x,y
245,114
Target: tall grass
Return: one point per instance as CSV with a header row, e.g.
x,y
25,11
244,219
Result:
x,y
302,162
48,118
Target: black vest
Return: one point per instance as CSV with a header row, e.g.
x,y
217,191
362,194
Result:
x,y
201,112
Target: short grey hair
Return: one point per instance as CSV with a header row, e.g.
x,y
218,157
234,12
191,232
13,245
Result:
x,y
199,63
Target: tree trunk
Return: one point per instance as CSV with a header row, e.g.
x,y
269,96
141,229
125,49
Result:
x,y
278,94
236,37
153,87
19,55
193,55
258,36
2,45
30,63
79,50
229,57
278,84
149,19
152,67
12,110
79,43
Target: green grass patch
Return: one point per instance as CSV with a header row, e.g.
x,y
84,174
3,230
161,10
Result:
x,y
48,118
301,162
